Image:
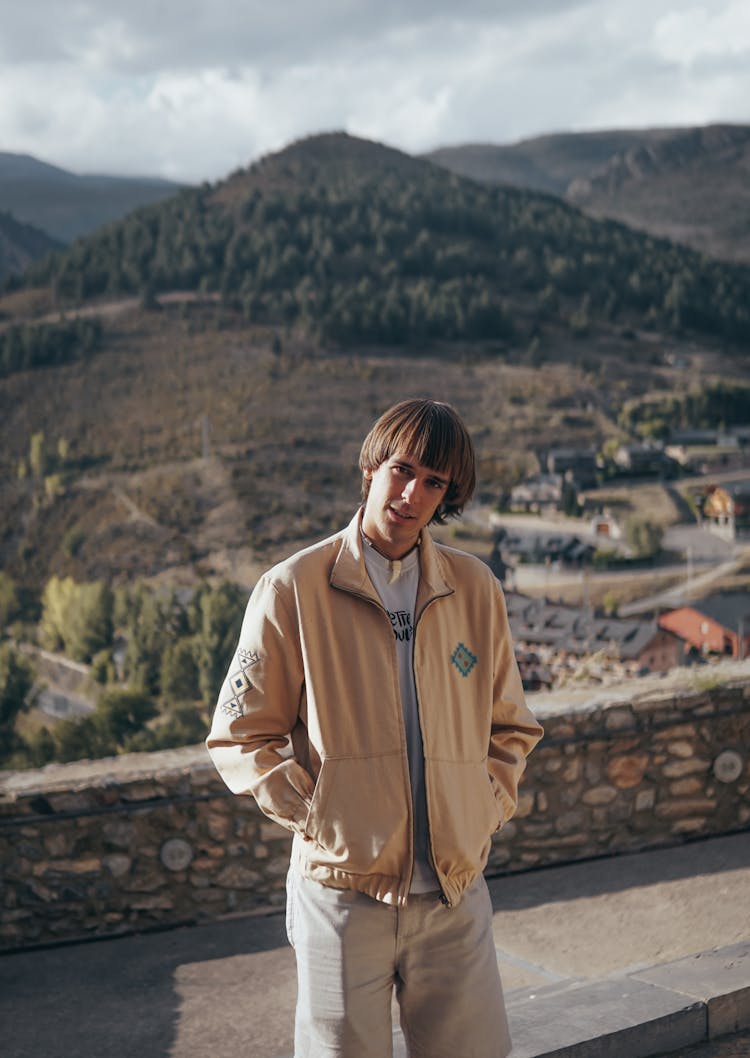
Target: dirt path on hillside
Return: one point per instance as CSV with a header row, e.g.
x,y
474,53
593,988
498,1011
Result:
x,y
109,309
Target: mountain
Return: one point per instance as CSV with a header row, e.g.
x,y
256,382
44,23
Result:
x,y
358,242
689,185
66,205
20,245
692,187
183,393
544,163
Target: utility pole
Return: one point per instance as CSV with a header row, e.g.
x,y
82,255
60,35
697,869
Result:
x,y
689,567
205,437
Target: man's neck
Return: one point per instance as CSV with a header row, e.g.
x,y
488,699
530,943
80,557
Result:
x,y
391,558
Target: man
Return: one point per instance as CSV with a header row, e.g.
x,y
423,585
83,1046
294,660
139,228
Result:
x,y
386,660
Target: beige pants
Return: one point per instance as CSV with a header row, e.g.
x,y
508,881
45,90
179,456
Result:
x,y
352,952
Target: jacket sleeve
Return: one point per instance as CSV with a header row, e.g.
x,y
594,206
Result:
x,y
514,731
257,709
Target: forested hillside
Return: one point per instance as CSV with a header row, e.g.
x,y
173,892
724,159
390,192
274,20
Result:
x,y
360,243
21,245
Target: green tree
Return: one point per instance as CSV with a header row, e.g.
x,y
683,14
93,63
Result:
x,y
76,618
122,713
221,616
8,600
15,683
57,604
183,725
148,634
38,455
80,739
644,537
39,748
179,677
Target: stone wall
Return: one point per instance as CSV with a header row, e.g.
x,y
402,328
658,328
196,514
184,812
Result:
x,y
143,841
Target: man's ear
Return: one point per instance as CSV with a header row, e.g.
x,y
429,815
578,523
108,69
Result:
x,y
367,473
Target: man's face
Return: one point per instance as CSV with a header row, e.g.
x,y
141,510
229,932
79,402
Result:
x,y
402,500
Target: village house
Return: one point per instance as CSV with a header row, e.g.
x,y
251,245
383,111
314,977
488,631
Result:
x,y
726,509
537,493
718,624
577,465
702,450
607,526
644,460
539,548
553,639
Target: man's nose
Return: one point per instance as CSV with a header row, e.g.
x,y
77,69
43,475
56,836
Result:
x,y
410,490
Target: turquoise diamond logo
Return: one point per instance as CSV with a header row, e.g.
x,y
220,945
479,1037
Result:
x,y
463,659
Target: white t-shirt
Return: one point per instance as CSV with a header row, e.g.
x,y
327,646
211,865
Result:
x,y
396,583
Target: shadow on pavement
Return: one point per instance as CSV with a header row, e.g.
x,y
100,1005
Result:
x,y
180,992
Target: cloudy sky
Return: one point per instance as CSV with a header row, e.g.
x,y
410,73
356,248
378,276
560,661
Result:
x,y
192,89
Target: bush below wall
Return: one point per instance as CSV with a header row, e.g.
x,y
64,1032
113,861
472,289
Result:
x,y
150,840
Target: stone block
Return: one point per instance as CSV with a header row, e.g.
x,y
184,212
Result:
x,y
628,770
83,865
685,807
219,827
619,1018
675,732
118,833
619,720
572,771
158,902
570,822
719,978
118,864
600,795
58,843
146,882
688,826
235,876
685,787
682,748
679,768
143,791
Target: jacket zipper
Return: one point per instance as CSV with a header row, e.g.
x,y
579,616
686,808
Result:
x,y
403,892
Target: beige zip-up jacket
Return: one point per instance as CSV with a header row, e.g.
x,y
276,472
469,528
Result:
x,y
316,661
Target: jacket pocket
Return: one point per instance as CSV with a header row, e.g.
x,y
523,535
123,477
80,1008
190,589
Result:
x,y
464,814
359,815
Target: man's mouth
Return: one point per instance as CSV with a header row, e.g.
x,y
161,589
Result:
x,y
402,515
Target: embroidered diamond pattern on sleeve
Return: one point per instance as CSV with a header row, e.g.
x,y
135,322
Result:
x,y
239,682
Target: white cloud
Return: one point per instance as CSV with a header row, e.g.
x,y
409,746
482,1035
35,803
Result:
x,y
687,35
192,90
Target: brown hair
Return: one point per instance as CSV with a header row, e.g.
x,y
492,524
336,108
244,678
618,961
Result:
x,y
434,434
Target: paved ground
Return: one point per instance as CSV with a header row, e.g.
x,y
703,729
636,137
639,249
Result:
x,y
227,989
737,1046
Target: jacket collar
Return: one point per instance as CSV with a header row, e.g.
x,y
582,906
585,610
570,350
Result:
x,y
350,574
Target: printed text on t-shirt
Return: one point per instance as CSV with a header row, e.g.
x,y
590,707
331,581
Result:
x,y
401,622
